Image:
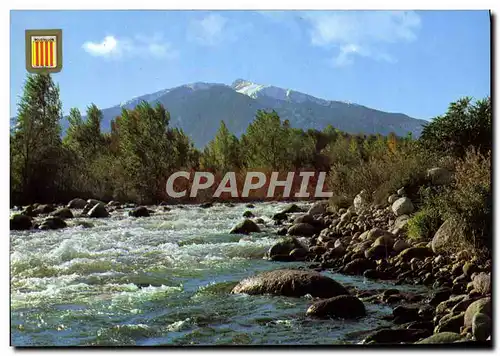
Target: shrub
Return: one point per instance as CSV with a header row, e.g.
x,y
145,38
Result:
x,y
380,175
468,201
424,223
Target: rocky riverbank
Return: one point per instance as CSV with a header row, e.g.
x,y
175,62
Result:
x,y
364,239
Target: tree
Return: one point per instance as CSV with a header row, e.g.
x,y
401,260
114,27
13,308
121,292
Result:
x,y
223,152
36,141
465,124
266,142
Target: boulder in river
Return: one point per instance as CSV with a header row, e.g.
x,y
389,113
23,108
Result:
x,y
139,212
291,283
98,211
283,247
248,214
302,229
52,223
63,213
342,306
20,222
292,208
76,203
44,209
402,206
93,202
245,227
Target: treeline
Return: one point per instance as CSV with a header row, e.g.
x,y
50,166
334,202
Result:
x,y
133,161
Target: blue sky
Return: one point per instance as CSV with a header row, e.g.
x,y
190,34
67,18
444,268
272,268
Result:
x,y
410,62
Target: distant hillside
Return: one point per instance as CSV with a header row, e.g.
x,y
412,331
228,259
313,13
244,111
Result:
x,y
198,108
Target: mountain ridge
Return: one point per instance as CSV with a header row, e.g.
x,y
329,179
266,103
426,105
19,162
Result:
x,y
198,108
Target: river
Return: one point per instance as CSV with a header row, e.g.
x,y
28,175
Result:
x,y
163,280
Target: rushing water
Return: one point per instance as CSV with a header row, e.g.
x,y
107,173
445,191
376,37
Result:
x,y
162,280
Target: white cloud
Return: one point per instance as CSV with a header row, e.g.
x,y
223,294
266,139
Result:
x,y
210,30
362,33
113,47
347,34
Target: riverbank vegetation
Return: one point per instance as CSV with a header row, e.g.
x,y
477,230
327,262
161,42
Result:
x,y
133,160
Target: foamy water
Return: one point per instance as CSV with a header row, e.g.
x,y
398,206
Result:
x,y
161,280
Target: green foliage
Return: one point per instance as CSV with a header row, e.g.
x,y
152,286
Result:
x,y
266,142
380,165
36,142
424,223
223,153
465,124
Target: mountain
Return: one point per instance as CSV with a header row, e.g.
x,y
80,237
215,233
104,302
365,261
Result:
x,y
198,108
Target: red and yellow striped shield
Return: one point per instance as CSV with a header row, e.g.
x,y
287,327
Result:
x,y
44,51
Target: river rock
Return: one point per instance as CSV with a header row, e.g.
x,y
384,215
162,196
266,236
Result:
x,y
481,326
302,229
469,268
358,266
279,217
52,223
63,213
292,208
377,252
20,222
402,206
439,296
93,202
439,176
482,283
98,211
395,336
139,212
245,227
298,254
305,219
415,252
442,242
403,314
248,214
441,338
291,283
453,323
342,306
318,208
482,305
283,247
400,245
206,205
44,209
76,203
